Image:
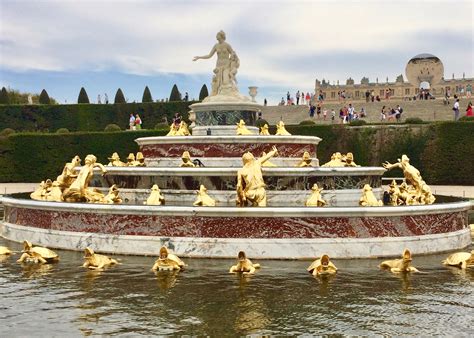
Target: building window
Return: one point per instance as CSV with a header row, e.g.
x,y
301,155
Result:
x,y
407,91
417,90
333,95
357,93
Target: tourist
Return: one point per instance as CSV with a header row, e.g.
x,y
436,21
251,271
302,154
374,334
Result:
x,y
468,90
132,121
308,98
186,96
362,112
456,110
98,99
265,102
469,109
282,102
350,112
398,113
298,97
106,98
138,122
367,96
333,115
312,109
325,113
372,96
382,114
318,110
288,96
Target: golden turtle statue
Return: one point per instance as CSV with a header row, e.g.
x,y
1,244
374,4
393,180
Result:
x,y
155,198
5,251
203,199
115,161
244,265
167,261
460,259
400,265
186,160
95,261
305,160
37,254
140,160
322,266
349,160
281,130
368,198
113,196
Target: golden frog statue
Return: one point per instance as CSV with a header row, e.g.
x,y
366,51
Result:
x,y
400,265
281,130
203,199
264,130
242,129
250,184
336,161
305,160
42,191
460,259
69,173
167,261
322,266
95,261
140,160
368,198
394,193
115,161
244,265
37,254
349,160
4,251
186,160
182,129
54,194
315,200
113,196
155,198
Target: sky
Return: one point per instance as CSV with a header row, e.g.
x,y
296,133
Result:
x,y
283,46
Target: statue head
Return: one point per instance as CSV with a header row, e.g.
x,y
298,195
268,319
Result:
x,y
405,159
114,157
242,256
306,156
247,157
155,188
88,252
367,188
140,156
131,157
163,253
186,157
113,189
76,160
325,261
220,36
406,256
202,189
90,159
27,246
349,157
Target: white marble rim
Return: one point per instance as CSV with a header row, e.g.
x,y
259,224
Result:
x,y
232,171
232,139
225,106
260,248
274,212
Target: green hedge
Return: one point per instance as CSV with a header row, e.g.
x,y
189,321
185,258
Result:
x,y
443,151
86,117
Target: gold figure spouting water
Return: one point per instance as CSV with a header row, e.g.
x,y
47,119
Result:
x,y
460,259
203,199
186,160
140,160
182,129
113,196
394,193
264,130
37,254
419,192
267,163
322,266
400,265
115,161
43,189
167,261
4,251
305,160
315,200
54,194
69,173
242,129
155,198
250,184
244,265
281,130
349,160
368,198
336,161
95,261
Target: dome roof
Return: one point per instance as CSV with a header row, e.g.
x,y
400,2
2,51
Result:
x,y
424,56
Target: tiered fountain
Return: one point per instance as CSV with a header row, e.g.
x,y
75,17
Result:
x,y
284,228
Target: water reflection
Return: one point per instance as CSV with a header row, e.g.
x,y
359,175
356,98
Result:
x,y
166,279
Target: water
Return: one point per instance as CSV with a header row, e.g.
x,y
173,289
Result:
x,y
282,298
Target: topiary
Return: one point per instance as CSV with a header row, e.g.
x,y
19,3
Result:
x,y
161,125
83,98
7,131
175,94
119,98
203,93
62,131
260,123
358,122
307,123
147,95
466,118
112,127
413,120
44,97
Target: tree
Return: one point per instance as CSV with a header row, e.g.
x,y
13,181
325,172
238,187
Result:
x,y
147,95
83,98
4,99
175,94
44,97
203,93
119,98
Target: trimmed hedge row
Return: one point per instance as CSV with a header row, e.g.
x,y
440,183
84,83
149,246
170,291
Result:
x,y
443,151
86,117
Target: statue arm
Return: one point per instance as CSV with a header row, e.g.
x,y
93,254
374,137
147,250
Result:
x,y
211,53
101,167
387,165
268,156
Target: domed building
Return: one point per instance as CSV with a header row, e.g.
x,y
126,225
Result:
x,y
424,72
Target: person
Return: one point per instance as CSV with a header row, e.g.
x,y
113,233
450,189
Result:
x,y
367,96
288,96
325,113
298,97
98,99
312,108
456,110
282,102
132,121
186,96
318,110
468,90
382,114
106,98
333,115
265,102
308,98
350,112
177,119
469,109
138,122
362,112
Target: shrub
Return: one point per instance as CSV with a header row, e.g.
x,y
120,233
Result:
x,y
175,94
112,127
203,93
162,125
83,98
307,123
413,120
119,97
358,123
466,118
147,95
7,131
4,99
62,131
260,123
44,97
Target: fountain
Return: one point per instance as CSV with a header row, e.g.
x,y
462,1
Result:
x,y
300,209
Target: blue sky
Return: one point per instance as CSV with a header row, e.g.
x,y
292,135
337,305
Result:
x,y
282,45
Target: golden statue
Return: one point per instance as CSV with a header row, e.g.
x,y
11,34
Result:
x,y
395,194
186,160
37,254
182,129
113,196
400,265
43,189
173,129
95,261
155,198
4,251
115,161
420,192
305,160
267,163
460,259
368,198
281,130
203,199
79,190
131,160
349,160
54,194
140,160
264,130
242,129
250,184
244,265
322,266
336,161
69,173
315,200
168,261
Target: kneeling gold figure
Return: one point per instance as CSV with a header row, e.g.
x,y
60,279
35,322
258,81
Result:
x,y
322,266
167,261
244,265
